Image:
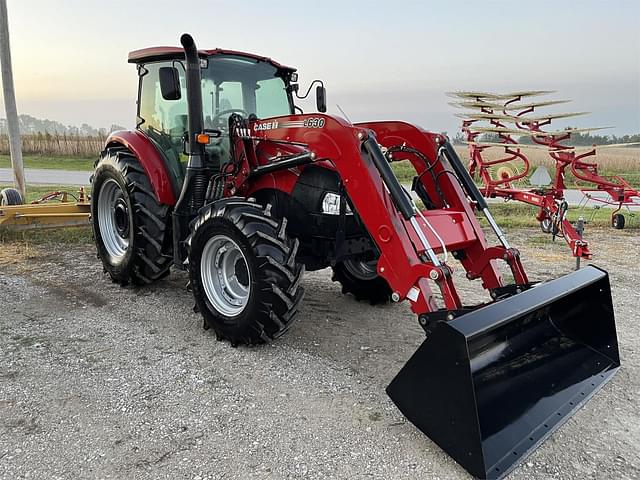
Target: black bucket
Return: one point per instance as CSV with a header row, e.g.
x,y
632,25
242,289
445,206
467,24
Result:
x,y
490,386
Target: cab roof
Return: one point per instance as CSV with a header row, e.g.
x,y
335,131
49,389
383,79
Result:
x,y
153,54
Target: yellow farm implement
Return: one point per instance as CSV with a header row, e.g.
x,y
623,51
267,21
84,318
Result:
x,y
54,210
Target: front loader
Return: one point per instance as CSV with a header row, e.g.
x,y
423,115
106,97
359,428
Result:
x,y
227,178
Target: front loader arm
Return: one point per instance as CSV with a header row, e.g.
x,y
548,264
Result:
x,y
406,243
434,160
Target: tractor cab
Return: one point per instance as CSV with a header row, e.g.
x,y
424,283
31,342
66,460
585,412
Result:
x,y
233,83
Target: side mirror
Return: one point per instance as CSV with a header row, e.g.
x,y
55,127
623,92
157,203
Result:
x,y
321,98
170,83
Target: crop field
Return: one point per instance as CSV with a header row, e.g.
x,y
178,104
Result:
x,y
624,162
57,145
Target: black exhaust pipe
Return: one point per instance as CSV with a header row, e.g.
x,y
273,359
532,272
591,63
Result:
x,y
196,179
194,100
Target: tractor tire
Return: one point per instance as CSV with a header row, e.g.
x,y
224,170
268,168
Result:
x,y
361,279
617,221
131,229
10,196
243,271
546,225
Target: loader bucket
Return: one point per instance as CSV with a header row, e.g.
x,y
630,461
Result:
x,y
491,385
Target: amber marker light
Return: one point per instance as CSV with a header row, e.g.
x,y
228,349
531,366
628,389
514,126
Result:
x,y
202,138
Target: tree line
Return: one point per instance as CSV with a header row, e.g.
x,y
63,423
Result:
x,y
30,125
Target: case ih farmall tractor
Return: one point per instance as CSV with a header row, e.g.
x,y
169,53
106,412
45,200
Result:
x,y
227,178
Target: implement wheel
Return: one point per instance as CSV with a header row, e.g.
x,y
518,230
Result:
x,y
546,225
10,196
360,278
243,271
130,227
617,221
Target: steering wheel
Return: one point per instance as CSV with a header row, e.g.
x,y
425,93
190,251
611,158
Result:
x,y
216,119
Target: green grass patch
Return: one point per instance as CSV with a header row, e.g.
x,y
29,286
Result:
x,y
404,171
51,162
517,215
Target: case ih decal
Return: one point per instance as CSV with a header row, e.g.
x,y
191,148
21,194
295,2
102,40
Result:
x,y
313,122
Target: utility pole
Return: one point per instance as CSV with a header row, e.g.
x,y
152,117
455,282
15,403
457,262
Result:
x,y
15,142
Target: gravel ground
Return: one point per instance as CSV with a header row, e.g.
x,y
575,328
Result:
x,y
97,381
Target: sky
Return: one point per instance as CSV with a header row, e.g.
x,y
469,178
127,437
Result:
x,y
379,60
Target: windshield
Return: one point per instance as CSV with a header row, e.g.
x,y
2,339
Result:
x,y
235,84
230,84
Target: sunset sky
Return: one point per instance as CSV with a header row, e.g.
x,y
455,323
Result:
x,y
378,60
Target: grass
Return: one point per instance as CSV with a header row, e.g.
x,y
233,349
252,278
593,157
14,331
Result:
x,y
519,215
51,162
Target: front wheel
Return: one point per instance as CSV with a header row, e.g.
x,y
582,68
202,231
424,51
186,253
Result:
x,y
360,278
243,271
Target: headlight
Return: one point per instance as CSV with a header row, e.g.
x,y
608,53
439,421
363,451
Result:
x,y
331,204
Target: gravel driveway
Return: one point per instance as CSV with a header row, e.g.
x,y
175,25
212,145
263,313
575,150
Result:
x,y
97,381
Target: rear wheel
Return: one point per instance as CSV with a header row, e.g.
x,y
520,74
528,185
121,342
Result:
x,y
10,196
243,271
360,278
130,227
617,221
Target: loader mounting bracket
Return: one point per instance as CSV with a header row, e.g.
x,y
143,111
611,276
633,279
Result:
x,y
506,291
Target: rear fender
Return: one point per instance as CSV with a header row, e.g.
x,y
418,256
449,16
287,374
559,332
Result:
x,y
151,160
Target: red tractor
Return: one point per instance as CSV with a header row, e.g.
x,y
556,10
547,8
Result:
x,y
227,178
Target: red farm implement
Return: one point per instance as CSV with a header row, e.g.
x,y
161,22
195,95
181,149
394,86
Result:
x,y
508,119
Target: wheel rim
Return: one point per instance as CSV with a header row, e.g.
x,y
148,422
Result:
x,y
361,269
113,219
225,275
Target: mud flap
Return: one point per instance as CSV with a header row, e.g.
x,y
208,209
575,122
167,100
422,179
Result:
x,y
490,386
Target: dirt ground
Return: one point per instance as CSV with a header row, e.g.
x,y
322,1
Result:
x,y
97,381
